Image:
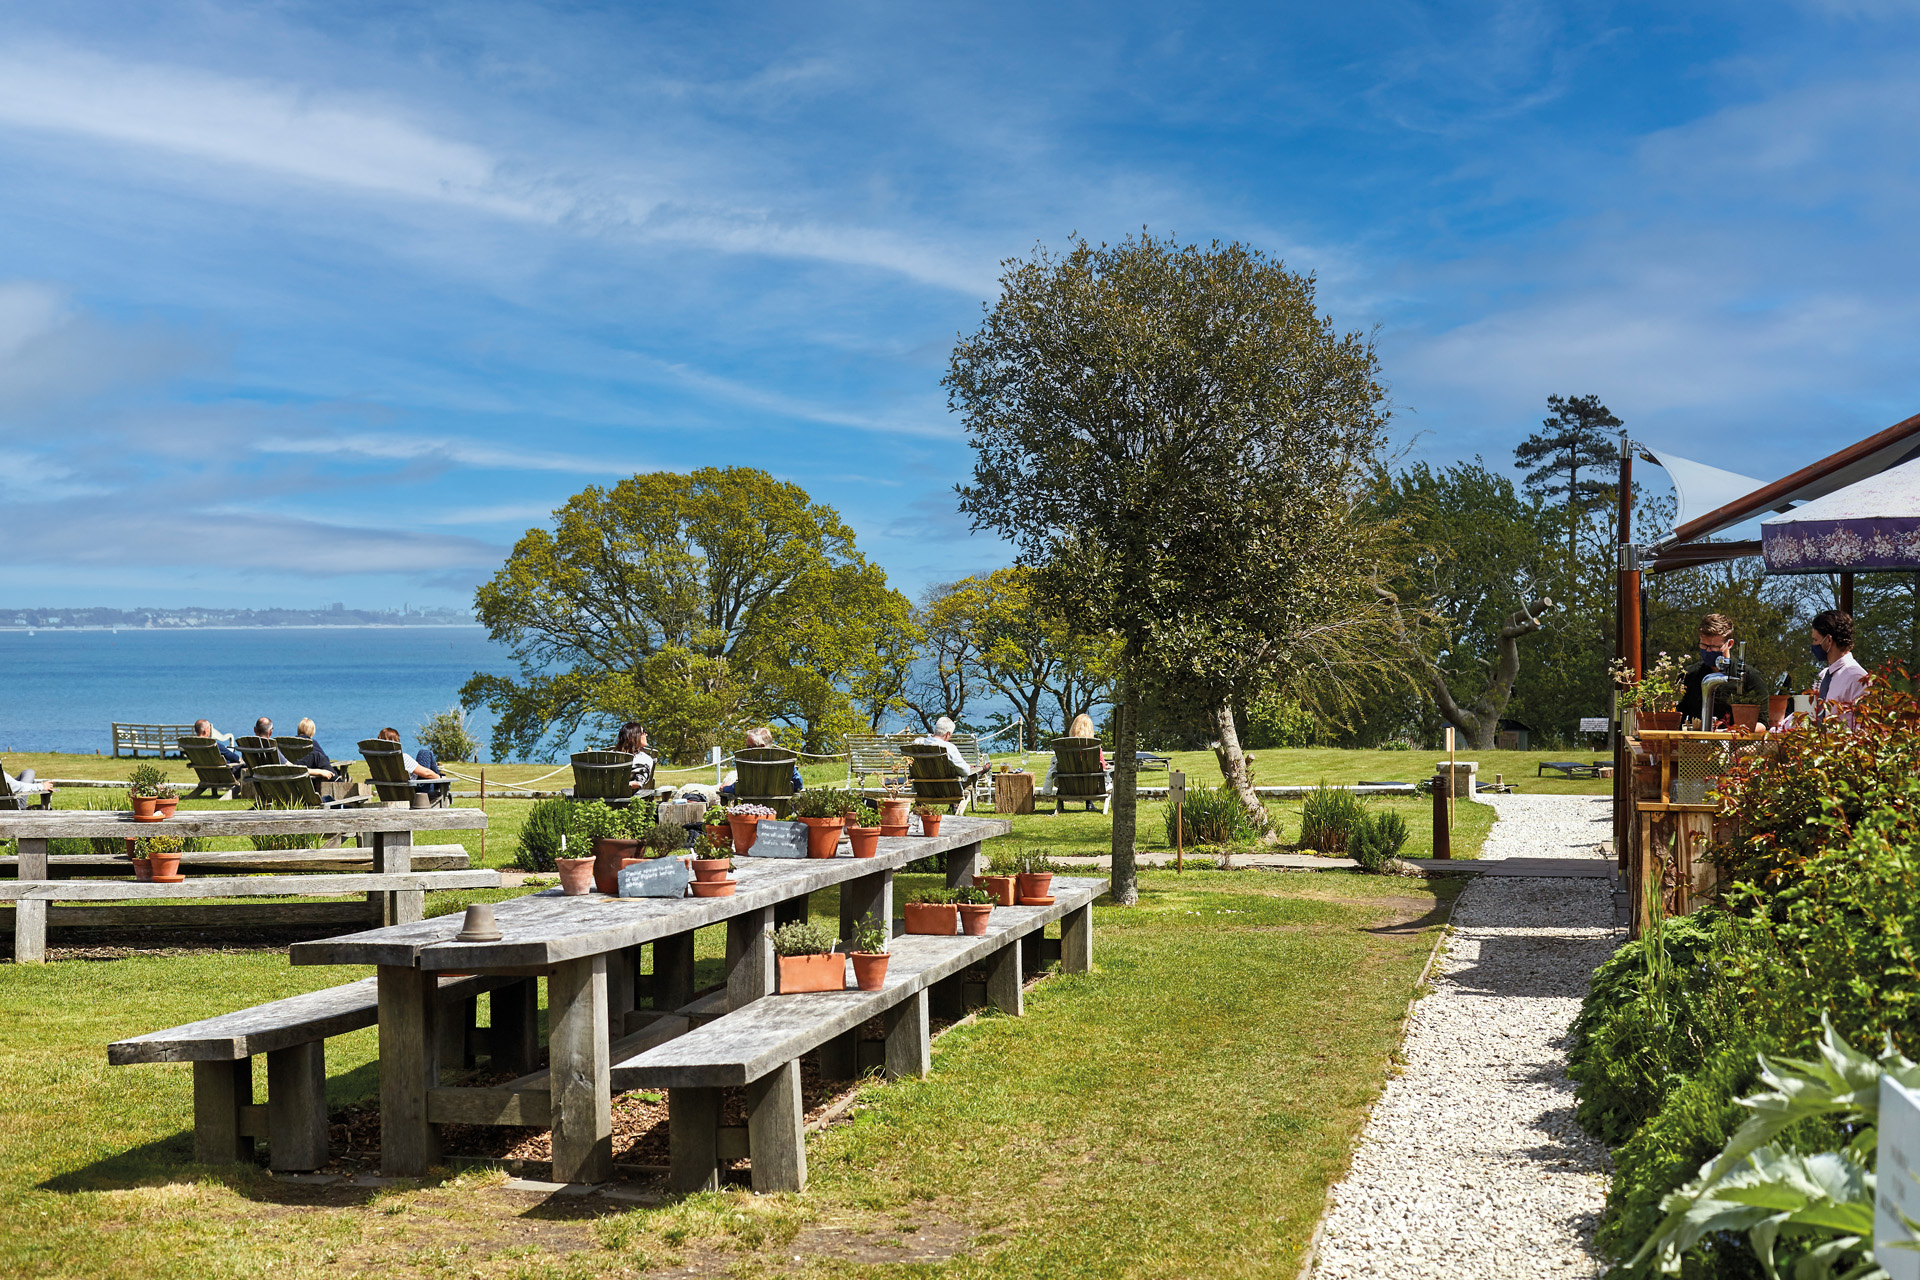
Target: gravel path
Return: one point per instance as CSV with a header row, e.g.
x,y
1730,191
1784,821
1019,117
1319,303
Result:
x,y
1471,1164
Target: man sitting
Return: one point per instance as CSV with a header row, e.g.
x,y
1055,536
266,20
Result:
x,y
315,762
24,785
942,736
204,729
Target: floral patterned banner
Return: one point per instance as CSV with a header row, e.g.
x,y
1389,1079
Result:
x,y
1841,546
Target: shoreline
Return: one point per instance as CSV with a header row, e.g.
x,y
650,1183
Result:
x,y
291,626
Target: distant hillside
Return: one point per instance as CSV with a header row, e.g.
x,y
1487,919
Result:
x,y
335,616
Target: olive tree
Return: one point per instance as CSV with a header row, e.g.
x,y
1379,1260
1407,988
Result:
x,y
1177,440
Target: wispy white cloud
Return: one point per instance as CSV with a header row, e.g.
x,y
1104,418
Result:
x,y
404,446
929,419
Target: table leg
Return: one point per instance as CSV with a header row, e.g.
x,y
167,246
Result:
x,y
515,1037
673,971
1076,940
30,914
393,852
409,1067
620,981
297,1107
693,1140
582,1098
750,972
963,864
868,896
792,910
908,1050
1004,989
840,1056
776,1131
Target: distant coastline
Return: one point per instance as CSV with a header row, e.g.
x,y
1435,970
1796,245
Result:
x,y
196,618
184,628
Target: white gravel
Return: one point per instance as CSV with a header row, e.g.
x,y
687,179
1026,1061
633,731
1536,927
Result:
x,y
1471,1164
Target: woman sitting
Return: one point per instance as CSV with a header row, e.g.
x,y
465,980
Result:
x,y
633,742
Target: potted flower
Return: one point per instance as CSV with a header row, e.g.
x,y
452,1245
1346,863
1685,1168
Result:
x,y
976,908
163,858
1002,869
1654,695
745,820
576,874
605,831
143,789
819,808
806,958
929,818
1035,879
870,954
712,865
863,832
932,911
893,810
719,832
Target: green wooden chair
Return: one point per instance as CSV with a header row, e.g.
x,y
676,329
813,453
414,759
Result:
x,y
256,752
392,784
935,777
294,748
1077,774
215,773
13,801
604,775
284,786
764,775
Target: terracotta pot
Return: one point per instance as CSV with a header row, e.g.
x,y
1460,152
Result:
x,y
167,804
745,828
893,811
865,841
166,866
143,806
974,917
1658,719
713,888
823,836
1746,716
930,824
1001,887
608,857
721,834
812,973
712,870
886,830
1035,884
143,870
1777,707
870,969
1037,902
576,875
940,919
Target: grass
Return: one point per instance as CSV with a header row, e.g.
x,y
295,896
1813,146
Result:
x,y
1179,1111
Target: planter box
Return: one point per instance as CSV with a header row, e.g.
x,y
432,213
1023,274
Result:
x,y
812,973
942,920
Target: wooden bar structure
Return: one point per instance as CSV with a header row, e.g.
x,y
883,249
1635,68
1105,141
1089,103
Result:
x,y
1672,815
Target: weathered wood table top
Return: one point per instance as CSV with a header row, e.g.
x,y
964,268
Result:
x,y
548,928
85,824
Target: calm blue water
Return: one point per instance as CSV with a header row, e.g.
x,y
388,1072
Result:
x,y
61,690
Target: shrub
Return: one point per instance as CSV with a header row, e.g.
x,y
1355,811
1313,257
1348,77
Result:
x,y
1327,819
1213,815
802,938
540,835
445,734
146,780
1376,838
822,802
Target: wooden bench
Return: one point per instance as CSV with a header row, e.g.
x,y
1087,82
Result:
x,y
69,866
1570,768
161,739
292,1033
760,1046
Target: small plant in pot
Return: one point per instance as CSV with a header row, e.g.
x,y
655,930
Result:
x,y
929,818
144,790
1035,880
863,833
893,810
719,832
870,954
1002,871
576,874
711,862
806,958
162,855
933,911
745,820
819,808
603,831
976,909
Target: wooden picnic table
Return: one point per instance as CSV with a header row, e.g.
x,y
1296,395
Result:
x,y
586,948
390,830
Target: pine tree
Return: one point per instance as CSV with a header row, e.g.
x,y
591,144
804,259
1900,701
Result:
x,y
1580,436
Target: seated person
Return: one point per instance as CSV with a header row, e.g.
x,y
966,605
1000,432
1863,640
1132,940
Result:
x,y
633,742
415,768
24,785
315,761
761,737
942,736
1082,727
204,729
263,728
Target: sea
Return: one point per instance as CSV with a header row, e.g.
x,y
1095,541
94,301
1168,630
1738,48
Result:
x,y
62,690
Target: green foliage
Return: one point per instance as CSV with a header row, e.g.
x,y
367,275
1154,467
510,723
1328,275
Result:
x,y
146,780
698,604
822,802
931,897
147,846
545,824
803,938
866,816
1277,721
1039,863
1375,839
972,896
445,734
871,935
1213,815
1003,863
1328,816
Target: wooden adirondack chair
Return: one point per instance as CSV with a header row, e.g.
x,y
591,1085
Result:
x,y
604,775
255,752
387,768
213,770
285,786
936,778
1077,774
11,800
764,775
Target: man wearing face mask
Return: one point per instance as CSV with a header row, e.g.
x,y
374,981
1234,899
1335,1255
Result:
x,y
1716,655
1845,679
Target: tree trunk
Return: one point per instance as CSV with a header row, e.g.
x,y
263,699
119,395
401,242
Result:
x,y
1233,763
1125,884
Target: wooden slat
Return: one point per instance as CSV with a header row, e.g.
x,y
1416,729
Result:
x,y
506,1105
190,915
438,857
81,824
244,886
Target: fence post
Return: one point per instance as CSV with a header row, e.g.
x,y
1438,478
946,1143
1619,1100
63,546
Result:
x,y
1442,824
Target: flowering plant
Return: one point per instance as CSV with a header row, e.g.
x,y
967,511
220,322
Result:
x,y
750,811
1657,689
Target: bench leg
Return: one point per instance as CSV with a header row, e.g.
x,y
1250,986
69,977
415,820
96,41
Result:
x,y
673,972
1076,940
792,910
620,974
776,1131
582,1096
908,1050
840,1056
1031,960
409,1067
1004,989
220,1089
515,1041
750,972
693,1140
868,896
30,931
297,1107
946,999
963,864
457,1019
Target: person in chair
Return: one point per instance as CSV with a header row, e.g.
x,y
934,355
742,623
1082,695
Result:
x,y
315,762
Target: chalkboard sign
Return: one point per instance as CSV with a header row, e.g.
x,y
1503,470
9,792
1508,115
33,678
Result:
x,y
779,840
1897,1194
656,878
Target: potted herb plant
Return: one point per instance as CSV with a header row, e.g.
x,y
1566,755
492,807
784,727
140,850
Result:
x,y
976,908
929,818
1035,880
576,874
870,954
163,858
711,862
806,958
719,831
1655,694
603,830
819,808
143,789
1002,869
932,911
893,810
745,819
863,833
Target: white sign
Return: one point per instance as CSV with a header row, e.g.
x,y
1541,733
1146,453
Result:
x,y
1898,1193
1593,724
1176,787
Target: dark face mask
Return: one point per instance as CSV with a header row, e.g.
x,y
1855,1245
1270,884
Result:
x,y
1714,658
1819,655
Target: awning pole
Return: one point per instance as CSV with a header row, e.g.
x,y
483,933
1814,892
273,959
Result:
x,y
1626,645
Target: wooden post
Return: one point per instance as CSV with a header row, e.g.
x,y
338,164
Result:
x,y
776,1130
908,1050
1177,792
673,971
1450,783
1004,990
1076,940
297,1107
868,896
483,809
963,864
409,1068
1442,821
693,1140
220,1089
750,972
393,852
578,1062
30,914
515,1039
1846,593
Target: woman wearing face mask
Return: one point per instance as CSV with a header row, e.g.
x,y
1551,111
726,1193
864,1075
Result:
x,y
1844,680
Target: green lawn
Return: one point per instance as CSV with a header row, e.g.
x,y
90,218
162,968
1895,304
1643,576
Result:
x,y
1179,1111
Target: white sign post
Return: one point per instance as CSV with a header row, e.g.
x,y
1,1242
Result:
x,y
1897,1197
1177,792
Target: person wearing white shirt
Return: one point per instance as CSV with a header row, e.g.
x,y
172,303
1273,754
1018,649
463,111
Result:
x,y
942,736
24,785
1844,680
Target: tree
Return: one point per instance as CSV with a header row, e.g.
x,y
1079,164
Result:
x,y
1578,437
1026,654
949,669
1170,435
696,604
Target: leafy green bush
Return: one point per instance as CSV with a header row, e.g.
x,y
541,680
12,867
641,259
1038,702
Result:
x,y
1376,838
802,938
540,835
1327,818
445,734
1213,815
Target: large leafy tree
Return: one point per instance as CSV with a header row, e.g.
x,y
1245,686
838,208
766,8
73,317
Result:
x,y
1572,457
696,604
1172,435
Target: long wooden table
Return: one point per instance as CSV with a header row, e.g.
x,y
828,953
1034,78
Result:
x,y
587,948
390,830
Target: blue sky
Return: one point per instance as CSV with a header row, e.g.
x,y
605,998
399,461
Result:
x,y
315,302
